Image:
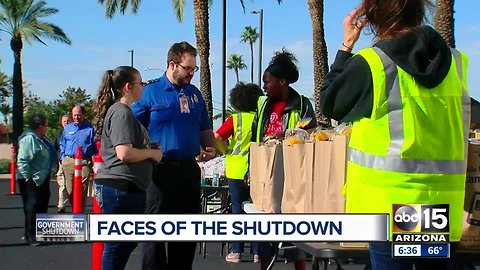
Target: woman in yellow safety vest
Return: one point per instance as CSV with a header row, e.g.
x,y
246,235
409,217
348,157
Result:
x,y
409,104
236,131
280,110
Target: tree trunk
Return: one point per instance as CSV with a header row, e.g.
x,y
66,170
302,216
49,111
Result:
x,y
236,74
444,22
17,110
251,60
320,54
200,8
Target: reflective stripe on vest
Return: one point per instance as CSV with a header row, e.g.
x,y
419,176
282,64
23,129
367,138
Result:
x,y
237,143
294,116
236,158
393,162
261,102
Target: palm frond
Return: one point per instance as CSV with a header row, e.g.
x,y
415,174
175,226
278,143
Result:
x,y
249,35
38,10
243,5
110,7
21,19
178,8
135,5
235,61
55,33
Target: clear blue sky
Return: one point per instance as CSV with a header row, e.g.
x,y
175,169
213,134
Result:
x,y
99,43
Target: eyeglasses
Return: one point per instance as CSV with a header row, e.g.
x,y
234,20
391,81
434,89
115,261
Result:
x,y
188,69
142,83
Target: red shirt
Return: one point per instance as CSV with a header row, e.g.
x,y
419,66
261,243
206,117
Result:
x,y
226,130
275,124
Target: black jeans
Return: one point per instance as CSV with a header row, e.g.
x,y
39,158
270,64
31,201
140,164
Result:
x,y
175,190
35,200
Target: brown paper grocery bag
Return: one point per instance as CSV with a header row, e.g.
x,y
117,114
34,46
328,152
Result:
x,y
266,177
297,187
309,177
471,213
329,175
259,162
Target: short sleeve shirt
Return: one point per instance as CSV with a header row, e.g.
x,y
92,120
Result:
x,y
121,127
174,116
226,130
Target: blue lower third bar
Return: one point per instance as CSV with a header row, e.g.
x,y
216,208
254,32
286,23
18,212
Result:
x,y
435,250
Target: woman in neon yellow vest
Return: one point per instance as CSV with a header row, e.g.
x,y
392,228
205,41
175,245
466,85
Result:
x,y
409,104
282,108
236,132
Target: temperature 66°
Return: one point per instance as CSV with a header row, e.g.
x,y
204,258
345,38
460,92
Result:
x,y
434,250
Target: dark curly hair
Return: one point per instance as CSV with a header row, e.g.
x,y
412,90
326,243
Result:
x,y
243,97
283,66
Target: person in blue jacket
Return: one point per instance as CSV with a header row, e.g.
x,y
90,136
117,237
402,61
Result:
x,y
175,114
78,133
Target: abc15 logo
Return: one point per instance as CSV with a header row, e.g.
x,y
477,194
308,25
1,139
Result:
x,y
421,218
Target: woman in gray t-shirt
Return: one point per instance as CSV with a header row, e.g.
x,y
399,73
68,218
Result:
x,y
128,159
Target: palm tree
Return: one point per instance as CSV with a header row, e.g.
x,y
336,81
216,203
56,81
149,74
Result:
x,y
320,55
202,36
250,35
444,22
235,62
22,20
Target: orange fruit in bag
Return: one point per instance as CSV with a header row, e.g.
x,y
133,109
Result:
x,y
295,140
321,136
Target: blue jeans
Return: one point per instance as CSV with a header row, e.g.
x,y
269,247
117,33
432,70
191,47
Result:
x,y
113,201
238,194
381,258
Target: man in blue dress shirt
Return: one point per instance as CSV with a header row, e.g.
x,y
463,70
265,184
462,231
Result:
x,y
174,112
78,133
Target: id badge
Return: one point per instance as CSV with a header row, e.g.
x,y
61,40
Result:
x,y
183,103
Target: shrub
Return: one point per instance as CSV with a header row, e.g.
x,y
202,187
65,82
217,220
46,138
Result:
x,y
4,166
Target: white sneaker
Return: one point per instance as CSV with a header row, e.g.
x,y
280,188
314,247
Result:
x,y
233,257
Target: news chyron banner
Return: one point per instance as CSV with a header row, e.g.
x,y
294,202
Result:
x,y
60,228
247,227
421,230
214,227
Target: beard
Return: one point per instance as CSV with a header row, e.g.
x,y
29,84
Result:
x,y
181,79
